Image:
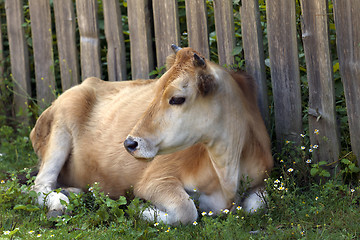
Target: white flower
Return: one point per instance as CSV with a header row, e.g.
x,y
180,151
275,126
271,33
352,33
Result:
x,y
310,150
39,235
195,223
6,232
281,188
203,213
277,181
31,232
316,146
308,161
238,208
195,190
155,224
316,131
2,181
352,190
226,211
302,135
290,170
210,213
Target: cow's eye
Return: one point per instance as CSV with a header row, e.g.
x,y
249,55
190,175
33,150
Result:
x,y
176,100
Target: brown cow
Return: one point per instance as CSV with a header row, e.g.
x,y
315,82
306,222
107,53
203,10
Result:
x,y
197,127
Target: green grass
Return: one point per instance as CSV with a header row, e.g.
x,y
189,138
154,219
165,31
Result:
x,y
300,206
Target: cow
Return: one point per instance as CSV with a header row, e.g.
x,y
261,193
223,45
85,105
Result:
x,y
196,127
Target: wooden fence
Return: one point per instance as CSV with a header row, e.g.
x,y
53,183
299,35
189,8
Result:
x,y
154,25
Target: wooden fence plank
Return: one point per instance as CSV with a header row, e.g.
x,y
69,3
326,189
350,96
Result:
x,y
167,28
347,22
225,33
115,41
141,48
18,56
66,42
2,87
40,16
254,52
196,20
89,38
322,114
284,64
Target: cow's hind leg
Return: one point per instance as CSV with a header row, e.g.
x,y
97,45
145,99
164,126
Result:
x,y
57,151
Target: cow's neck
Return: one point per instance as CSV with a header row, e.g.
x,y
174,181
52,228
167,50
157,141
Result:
x,y
227,144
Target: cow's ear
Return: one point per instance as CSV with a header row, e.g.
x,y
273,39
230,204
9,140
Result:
x,y
206,83
199,61
170,60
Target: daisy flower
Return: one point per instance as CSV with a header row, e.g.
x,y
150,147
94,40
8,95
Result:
x,y
6,232
195,223
203,213
290,170
302,135
316,131
238,208
308,161
352,190
226,211
316,146
302,148
210,213
277,181
156,224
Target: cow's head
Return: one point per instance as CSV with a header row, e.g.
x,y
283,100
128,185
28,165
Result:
x,y
184,110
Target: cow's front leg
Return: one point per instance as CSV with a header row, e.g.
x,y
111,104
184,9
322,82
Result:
x,y
171,204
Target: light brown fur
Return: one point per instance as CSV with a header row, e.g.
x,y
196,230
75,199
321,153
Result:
x,y
96,117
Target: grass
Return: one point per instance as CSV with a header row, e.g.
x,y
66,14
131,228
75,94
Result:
x,y
300,206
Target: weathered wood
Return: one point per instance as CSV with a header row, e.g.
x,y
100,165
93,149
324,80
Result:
x,y
315,37
254,53
141,48
347,22
18,56
196,20
167,28
40,16
284,64
89,38
115,41
225,34
2,87
66,42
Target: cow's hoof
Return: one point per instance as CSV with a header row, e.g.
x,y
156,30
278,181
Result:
x,y
54,214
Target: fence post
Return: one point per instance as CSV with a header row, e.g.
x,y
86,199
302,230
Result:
x,y
115,41
167,28
66,42
196,20
322,114
284,64
40,16
141,49
254,53
89,38
347,22
18,57
225,34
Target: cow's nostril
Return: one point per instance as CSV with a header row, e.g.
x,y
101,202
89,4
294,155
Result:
x,y
130,144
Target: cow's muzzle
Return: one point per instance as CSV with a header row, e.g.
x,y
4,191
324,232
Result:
x,y
130,144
